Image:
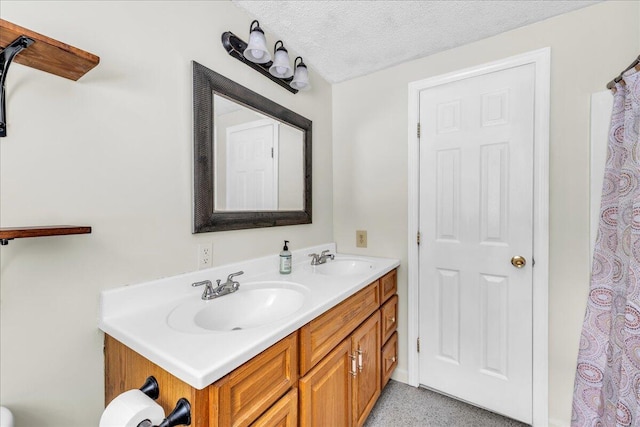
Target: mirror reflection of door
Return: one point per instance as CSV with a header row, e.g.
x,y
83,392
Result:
x,y
259,161
252,166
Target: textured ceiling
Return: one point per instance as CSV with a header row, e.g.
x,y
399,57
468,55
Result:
x,y
341,40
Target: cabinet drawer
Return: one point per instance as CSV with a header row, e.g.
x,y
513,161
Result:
x,y
283,414
389,358
388,285
248,391
389,317
321,335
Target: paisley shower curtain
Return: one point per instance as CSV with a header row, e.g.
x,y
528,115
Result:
x,y
607,384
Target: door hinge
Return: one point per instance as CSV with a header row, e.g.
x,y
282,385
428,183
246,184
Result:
x,y
418,238
418,345
533,262
418,129
272,152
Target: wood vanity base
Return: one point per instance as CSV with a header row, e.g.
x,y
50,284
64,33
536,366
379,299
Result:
x,y
124,369
345,355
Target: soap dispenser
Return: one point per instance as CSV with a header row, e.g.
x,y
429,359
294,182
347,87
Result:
x,y
285,259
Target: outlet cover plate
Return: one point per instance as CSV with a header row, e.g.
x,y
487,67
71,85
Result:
x,y
361,238
205,255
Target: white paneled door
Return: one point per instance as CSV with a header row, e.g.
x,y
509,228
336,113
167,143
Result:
x,y
476,223
252,166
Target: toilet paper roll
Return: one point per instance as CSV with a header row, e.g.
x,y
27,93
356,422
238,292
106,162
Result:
x,y
6,417
131,408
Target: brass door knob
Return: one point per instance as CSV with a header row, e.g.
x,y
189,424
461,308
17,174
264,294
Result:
x,y
518,261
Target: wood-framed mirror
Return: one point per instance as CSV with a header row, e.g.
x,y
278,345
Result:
x,y
252,158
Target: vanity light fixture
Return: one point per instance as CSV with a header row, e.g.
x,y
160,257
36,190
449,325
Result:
x,y
256,51
281,68
301,77
255,55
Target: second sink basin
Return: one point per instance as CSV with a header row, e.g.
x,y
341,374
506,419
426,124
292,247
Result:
x,y
253,305
343,267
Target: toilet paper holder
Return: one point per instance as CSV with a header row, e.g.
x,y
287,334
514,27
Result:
x,y
180,416
151,388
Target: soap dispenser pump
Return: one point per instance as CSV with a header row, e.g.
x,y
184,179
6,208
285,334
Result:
x,y
285,259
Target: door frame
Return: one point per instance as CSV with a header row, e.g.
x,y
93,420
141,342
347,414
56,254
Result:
x,y
541,59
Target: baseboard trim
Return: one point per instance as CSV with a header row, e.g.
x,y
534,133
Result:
x,y
553,422
400,375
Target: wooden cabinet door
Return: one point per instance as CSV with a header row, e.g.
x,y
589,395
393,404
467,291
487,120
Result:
x,y
365,344
325,392
284,413
389,312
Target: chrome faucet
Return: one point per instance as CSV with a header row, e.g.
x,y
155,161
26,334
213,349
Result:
x,y
228,287
322,258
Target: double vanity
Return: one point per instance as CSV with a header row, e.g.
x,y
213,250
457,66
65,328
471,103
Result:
x,y
311,348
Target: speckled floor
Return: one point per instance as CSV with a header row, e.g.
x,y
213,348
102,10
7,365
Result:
x,y
401,405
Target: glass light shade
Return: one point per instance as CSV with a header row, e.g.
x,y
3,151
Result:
x,y
301,78
281,67
256,50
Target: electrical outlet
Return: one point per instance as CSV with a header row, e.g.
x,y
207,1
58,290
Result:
x,y
361,238
205,255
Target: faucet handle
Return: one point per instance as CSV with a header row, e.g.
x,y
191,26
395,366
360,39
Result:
x,y
325,254
209,292
232,275
204,282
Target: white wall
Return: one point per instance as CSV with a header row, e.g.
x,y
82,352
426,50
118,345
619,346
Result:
x,y
114,151
588,48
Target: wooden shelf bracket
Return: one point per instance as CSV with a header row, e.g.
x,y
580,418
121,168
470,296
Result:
x,y
45,53
6,57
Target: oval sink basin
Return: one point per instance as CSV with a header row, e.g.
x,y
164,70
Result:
x,y
253,305
343,267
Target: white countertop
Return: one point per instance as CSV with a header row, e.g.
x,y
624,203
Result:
x,y
137,315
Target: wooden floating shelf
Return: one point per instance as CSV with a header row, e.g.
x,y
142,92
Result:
x,y
55,57
9,233
47,54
